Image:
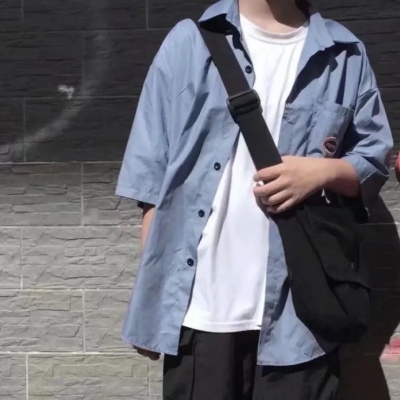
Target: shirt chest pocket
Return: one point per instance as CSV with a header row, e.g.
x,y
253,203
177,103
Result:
x,y
328,127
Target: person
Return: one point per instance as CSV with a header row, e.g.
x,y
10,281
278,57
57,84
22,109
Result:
x,y
212,290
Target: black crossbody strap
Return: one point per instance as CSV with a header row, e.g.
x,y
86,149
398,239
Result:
x,y
243,102
311,234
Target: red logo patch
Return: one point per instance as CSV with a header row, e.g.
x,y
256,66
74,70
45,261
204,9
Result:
x,y
330,146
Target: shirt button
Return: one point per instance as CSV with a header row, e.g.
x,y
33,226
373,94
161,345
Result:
x,y
201,213
217,166
249,69
190,262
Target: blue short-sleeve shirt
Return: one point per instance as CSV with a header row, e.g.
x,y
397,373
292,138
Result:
x,y
181,140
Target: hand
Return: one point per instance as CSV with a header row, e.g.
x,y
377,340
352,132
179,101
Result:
x,y
147,353
289,183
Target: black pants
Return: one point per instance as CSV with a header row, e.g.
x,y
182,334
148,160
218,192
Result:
x,y
222,366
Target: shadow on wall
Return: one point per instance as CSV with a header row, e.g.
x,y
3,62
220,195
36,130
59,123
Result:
x,y
366,364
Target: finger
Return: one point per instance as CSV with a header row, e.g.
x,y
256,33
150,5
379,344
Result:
x,y
149,354
276,199
287,205
141,351
270,188
268,174
154,356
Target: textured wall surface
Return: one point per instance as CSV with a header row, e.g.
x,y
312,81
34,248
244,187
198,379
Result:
x,y
70,74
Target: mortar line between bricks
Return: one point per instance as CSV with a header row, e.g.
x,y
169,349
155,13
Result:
x,y
22,11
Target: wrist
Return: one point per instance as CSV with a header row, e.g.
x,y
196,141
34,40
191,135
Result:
x,y
327,173
339,176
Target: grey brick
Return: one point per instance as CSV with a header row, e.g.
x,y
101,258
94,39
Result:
x,y
117,57
155,379
10,268
360,9
117,14
97,257
12,377
10,16
40,194
392,374
88,377
11,120
36,64
11,129
10,262
57,15
10,237
89,236
12,151
166,14
104,313
101,206
75,150
41,321
94,129
391,99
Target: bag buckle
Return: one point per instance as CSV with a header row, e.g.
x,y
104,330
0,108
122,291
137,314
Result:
x,y
243,102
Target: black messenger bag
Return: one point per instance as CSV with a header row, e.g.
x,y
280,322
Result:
x,y
321,241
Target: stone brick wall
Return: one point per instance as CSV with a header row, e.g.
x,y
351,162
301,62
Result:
x,y
70,75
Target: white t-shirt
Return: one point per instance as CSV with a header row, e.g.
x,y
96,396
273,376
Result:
x,y
229,289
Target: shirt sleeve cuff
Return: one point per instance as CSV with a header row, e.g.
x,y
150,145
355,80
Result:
x,y
141,196
371,179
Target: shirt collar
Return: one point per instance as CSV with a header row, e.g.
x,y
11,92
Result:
x,y
325,33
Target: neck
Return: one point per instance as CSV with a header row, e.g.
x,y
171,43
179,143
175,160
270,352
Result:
x,y
274,15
